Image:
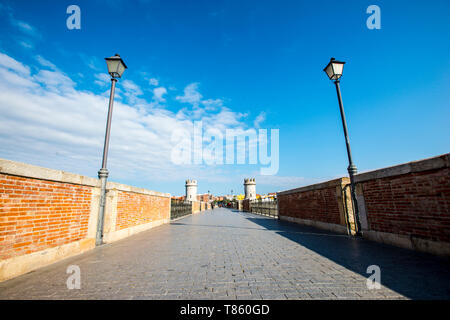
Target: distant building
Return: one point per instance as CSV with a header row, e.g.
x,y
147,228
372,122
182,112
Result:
x,y
250,188
191,190
206,197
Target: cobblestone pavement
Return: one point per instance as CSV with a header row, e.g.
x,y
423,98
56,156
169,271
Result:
x,y
224,254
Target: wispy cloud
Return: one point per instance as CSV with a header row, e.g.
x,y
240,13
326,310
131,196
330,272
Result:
x,y
191,95
153,82
45,63
103,79
24,27
13,65
212,104
26,44
259,119
158,94
92,62
26,34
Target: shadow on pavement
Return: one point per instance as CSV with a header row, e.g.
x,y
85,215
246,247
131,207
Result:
x,y
415,275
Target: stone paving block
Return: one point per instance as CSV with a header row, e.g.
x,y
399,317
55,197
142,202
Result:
x,y
227,255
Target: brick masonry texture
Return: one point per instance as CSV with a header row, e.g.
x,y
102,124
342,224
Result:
x,y
414,204
195,206
38,214
323,202
246,205
406,205
135,209
47,215
320,205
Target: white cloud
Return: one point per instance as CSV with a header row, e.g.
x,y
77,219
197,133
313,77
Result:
x,y
153,82
93,62
26,44
63,128
45,63
158,94
28,33
46,121
54,80
25,27
12,64
259,119
131,87
103,79
212,104
191,95
131,92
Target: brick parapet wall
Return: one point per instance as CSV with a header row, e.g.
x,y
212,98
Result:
x,y
411,200
137,208
195,206
246,205
40,214
407,205
323,202
47,215
199,206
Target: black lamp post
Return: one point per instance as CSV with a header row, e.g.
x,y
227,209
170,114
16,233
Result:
x,y
334,72
116,67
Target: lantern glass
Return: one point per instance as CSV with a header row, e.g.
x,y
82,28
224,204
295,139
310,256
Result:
x,y
338,68
116,66
334,69
329,70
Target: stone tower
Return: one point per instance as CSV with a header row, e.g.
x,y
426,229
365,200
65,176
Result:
x,y
250,188
191,190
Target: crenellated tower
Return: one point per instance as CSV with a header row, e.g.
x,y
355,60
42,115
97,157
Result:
x,y
191,190
250,188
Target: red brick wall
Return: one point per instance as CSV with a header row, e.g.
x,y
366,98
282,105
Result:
x,y
319,205
203,197
135,209
37,214
414,204
246,205
195,206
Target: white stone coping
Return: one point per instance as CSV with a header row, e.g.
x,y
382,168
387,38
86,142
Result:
x,y
31,171
438,162
127,188
317,186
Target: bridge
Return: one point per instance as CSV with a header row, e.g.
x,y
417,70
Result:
x,y
226,254
306,251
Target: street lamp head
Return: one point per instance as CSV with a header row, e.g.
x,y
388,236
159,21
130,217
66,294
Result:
x,y
116,66
334,69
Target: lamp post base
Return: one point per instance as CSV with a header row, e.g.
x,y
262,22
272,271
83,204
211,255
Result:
x,y
352,170
103,175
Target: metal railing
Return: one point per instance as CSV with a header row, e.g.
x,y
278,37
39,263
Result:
x,y
179,208
264,208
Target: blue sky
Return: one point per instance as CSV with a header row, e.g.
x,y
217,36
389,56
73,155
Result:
x,y
231,64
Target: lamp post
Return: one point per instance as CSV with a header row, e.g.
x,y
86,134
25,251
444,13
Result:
x,y
334,72
116,67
